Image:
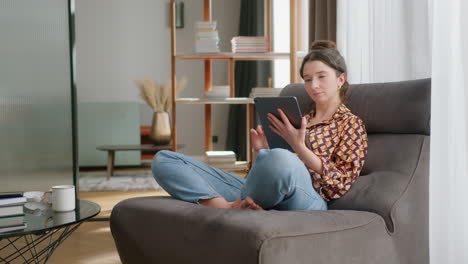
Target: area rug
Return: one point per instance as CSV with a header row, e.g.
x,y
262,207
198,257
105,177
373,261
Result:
x,y
120,181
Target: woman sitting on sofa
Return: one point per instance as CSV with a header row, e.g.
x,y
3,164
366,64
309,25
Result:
x,y
330,148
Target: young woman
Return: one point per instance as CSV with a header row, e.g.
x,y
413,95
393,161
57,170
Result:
x,y
330,148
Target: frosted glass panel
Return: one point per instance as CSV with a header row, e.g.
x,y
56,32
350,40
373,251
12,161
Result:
x,y
35,95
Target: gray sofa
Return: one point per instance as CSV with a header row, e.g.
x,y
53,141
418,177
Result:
x,y
383,219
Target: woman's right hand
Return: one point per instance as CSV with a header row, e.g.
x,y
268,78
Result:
x,y
258,139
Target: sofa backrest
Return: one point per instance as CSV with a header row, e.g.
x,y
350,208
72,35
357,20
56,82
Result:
x,y
397,120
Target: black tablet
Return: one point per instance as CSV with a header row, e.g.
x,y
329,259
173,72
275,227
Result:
x,y
289,105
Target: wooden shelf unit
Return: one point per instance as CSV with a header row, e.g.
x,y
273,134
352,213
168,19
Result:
x,y
238,56
231,58
229,100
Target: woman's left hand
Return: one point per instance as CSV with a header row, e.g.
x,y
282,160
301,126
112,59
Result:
x,y
294,136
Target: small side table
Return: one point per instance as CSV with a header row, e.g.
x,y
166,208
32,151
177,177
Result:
x,y
45,231
111,149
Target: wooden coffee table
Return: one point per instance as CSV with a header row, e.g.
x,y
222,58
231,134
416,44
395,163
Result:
x,y
111,149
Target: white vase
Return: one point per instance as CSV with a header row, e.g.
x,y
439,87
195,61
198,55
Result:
x,y
160,128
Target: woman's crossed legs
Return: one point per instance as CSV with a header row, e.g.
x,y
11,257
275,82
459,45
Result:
x,y
278,180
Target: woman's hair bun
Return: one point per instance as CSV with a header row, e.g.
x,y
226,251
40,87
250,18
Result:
x,y
323,44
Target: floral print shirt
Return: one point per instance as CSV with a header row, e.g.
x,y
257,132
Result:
x,y
341,143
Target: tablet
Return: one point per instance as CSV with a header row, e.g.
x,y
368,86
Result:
x,y
289,105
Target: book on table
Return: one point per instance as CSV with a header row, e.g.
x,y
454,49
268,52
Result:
x,y
12,221
12,201
10,194
8,211
13,228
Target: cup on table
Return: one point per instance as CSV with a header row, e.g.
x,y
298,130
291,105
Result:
x,y
61,197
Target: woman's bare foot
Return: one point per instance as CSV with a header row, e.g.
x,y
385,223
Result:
x,y
220,202
246,204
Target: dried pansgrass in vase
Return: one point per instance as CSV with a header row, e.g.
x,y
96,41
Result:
x,y
159,99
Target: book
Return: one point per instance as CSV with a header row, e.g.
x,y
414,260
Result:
x,y
11,211
220,160
10,194
11,221
13,228
217,153
249,44
207,34
206,37
12,201
218,92
206,25
220,156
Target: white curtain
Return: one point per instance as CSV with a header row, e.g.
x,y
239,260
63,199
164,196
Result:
x,y
449,173
382,40
402,40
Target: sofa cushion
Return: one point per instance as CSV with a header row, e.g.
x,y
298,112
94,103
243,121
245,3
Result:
x,y
226,235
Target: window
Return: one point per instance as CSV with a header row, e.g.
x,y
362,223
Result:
x,y
281,32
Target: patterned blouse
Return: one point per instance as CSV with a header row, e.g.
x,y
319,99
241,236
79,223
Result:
x,y
341,144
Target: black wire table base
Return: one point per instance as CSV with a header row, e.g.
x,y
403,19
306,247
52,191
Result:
x,y
33,248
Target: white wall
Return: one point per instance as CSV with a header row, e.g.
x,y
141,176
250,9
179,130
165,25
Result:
x,y
119,41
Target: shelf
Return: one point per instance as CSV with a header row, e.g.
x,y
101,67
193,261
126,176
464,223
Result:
x,y
229,100
237,56
230,58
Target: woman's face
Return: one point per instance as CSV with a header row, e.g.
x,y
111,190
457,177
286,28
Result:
x,y
321,82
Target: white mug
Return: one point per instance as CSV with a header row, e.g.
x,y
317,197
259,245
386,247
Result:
x,y
63,198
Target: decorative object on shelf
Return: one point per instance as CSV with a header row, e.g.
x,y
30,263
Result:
x,y
218,91
179,10
158,97
206,36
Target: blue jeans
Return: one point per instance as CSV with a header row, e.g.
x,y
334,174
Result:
x,y
277,180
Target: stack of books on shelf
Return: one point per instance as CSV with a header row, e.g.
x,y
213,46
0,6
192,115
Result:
x,y
249,44
206,37
221,158
11,212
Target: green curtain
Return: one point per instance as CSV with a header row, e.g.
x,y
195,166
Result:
x,y
322,20
248,74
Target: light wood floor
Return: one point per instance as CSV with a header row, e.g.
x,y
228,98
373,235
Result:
x,y
92,242
107,200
